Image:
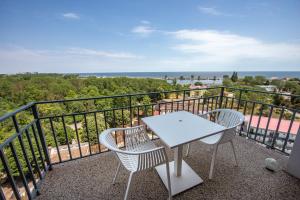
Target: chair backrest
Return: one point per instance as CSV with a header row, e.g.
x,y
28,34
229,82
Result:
x,y
138,153
231,119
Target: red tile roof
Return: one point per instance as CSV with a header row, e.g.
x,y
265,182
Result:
x,y
284,124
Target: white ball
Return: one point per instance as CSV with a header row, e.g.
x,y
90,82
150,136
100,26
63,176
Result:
x,y
271,164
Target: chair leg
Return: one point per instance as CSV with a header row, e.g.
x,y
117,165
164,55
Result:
x,y
236,162
213,162
116,174
128,185
169,181
188,150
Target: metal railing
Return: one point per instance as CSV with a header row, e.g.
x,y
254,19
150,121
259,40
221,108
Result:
x,y
24,155
64,130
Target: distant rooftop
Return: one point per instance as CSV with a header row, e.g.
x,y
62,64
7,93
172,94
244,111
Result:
x,y
284,124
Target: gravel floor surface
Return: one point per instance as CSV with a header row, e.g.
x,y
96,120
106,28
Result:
x,y
90,178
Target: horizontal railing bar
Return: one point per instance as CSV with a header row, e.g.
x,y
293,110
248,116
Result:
x,y
124,95
267,104
76,158
86,156
264,92
120,108
15,135
20,109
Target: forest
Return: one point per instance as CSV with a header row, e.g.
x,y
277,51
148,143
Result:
x,y
20,89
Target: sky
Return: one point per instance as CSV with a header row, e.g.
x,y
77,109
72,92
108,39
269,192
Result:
x,y
144,36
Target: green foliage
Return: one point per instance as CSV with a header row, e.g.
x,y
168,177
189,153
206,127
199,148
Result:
x,y
17,147
174,81
51,109
59,131
227,82
114,118
278,83
198,83
260,80
234,77
225,77
91,128
192,77
278,100
249,80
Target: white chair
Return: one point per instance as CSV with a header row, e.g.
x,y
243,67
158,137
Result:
x,y
231,119
140,152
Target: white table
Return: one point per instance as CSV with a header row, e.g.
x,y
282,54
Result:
x,y
176,129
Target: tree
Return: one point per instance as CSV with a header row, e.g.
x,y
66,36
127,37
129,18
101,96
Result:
x,y
59,131
192,77
115,118
234,77
198,83
148,109
260,80
227,82
74,106
278,83
267,82
291,86
94,128
225,76
248,80
53,109
174,81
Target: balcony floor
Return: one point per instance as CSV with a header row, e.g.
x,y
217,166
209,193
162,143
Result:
x,y
90,178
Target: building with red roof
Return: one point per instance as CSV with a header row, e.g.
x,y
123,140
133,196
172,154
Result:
x,y
283,128
258,127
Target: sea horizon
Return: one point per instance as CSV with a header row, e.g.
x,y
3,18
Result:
x,y
202,74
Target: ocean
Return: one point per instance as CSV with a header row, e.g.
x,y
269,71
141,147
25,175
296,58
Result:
x,y
203,75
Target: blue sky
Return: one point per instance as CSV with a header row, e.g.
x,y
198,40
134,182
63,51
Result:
x,y
137,35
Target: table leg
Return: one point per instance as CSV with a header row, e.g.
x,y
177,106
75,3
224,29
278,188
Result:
x,y
182,175
178,160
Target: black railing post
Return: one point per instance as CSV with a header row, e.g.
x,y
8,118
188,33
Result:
x,y
41,135
277,129
239,102
183,100
17,128
10,177
130,110
268,123
221,97
289,131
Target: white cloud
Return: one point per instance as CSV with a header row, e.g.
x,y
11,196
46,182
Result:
x,y
209,11
224,48
19,59
145,22
180,50
143,30
71,15
92,52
